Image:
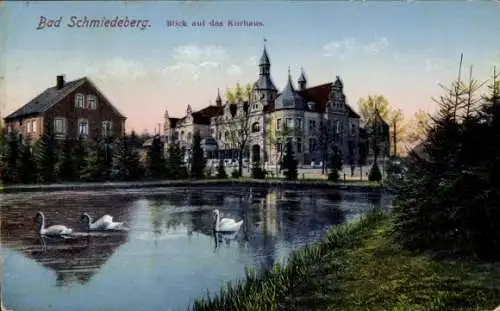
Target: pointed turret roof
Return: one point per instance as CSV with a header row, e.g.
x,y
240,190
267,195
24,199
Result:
x,y
218,99
264,59
289,98
302,77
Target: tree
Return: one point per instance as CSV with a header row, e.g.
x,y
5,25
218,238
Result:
x,y
175,166
26,165
363,150
418,127
327,137
80,155
335,163
66,167
374,105
290,164
221,170
46,157
448,201
352,156
198,161
11,155
278,139
126,162
156,165
99,161
239,125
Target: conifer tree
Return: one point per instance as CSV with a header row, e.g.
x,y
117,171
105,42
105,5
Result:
x,y
26,165
66,167
156,164
99,161
80,155
221,170
126,163
46,157
198,161
11,157
176,168
335,163
290,163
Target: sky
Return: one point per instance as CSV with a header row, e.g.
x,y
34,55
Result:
x,y
401,50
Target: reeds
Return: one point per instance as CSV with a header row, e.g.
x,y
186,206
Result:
x,y
276,288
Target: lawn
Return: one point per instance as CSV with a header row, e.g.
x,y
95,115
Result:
x,y
358,267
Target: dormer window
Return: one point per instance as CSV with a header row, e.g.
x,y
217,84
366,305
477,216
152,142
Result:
x,y
91,102
79,101
311,106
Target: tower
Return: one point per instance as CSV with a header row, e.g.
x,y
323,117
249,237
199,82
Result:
x,y
302,81
264,87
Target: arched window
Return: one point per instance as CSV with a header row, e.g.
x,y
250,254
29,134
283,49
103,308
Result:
x,y
255,127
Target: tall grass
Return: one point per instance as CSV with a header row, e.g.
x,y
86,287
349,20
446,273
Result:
x,y
273,289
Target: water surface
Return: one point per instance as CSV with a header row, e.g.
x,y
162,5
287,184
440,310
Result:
x,y
169,256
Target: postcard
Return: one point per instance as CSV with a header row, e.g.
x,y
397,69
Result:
x,y
152,152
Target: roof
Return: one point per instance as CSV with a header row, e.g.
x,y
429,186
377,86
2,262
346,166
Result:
x,y
264,59
264,83
202,116
319,95
50,97
302,78
289,98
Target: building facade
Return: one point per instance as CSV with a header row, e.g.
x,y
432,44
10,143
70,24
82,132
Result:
x,y
312,118
68,110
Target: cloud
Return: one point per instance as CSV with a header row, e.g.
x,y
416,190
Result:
x,y
192,60
348,47
234,70
117,67
377,46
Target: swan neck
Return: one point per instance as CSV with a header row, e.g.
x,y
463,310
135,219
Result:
x,y
42,224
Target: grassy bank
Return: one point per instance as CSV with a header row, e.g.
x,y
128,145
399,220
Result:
x,y
299,184
357,267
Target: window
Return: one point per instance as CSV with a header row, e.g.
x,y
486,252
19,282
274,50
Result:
x,y
312,124
288,122
219,135
279,147
189,137
83,127
312,145
79,101
278,124
212,132
353,129
33,126
59,126
298,124
107,128
9,129
28,127
298,143
226,136
91,102
255,127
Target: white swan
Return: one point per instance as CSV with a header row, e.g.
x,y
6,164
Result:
x,y
226,224
104,223
55,230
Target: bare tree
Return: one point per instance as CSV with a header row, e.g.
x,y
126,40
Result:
x,y
328,136
278,139
239,125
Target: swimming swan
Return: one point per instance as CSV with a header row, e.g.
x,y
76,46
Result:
x,y
104,223
55,230
226,224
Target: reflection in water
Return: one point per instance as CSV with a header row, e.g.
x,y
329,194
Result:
x,y
171,253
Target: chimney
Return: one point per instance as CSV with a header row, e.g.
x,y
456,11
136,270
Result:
x,y
60,82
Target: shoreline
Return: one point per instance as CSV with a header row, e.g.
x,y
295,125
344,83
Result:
x,y
364,186
357,266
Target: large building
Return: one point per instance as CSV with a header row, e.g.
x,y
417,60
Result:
x,y
69,110
265,119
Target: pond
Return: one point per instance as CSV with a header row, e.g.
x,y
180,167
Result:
x,y
169,256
